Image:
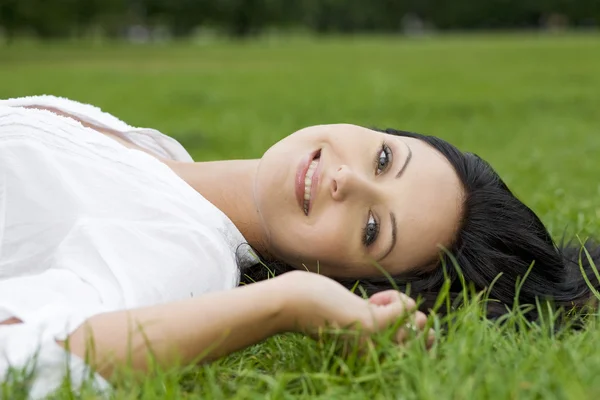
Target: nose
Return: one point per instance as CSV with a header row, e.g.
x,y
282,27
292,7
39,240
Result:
x,y
343,181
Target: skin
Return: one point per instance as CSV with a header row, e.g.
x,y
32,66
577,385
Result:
x,y
207,327
258,195
217,324
417,185
425,199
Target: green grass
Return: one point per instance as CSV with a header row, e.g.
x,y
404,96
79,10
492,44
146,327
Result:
x,y
528,104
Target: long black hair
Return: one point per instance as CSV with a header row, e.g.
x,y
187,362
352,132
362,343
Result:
x,y
499,240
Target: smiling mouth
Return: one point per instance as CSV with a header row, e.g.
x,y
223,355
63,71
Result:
x,y
308,182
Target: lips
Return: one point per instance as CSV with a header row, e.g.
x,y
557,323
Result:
x,y
300,180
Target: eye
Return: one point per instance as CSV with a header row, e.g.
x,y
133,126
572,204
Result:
x,y
370,231
383,159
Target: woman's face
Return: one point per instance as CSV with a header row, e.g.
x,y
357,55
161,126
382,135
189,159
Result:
x,y
342,199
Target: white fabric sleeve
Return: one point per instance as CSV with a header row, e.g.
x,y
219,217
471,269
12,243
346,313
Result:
x,y
31,347
51,305
149,139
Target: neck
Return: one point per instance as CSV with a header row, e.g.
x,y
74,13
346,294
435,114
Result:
x,y
229,186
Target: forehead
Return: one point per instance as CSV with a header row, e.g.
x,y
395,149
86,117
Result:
x,y
427,201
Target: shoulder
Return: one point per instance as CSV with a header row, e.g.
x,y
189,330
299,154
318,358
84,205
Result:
x,y
81,110
148,140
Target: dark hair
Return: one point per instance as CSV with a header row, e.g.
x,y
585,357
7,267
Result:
x,y
499,239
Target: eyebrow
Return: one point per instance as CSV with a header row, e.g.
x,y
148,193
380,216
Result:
x,y
408,158
394,235
392,215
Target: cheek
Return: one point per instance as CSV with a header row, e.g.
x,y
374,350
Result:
x,y
274,183
428,231
325,242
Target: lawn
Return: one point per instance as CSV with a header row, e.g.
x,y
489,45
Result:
x,y
529,104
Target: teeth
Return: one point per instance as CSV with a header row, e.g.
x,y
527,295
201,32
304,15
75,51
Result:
x,y
308,183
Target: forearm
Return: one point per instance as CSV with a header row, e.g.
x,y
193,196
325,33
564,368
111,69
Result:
x,y
197,329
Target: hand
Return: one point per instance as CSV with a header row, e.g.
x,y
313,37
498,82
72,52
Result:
x,y
314,302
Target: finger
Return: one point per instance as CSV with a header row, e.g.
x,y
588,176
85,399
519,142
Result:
x,y
430,338
391,296
382,298
386,315
404,333
420,320
412,328
407,301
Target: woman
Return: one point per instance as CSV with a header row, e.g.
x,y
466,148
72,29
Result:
x,y
115,243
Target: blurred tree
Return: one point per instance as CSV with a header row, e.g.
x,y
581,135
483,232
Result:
x,y
240,18
9,18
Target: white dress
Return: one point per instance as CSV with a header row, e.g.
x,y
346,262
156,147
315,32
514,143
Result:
x,y
89,226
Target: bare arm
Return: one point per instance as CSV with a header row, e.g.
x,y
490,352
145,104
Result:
x,y
217,324
197,329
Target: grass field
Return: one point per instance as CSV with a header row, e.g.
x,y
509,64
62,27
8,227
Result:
x,y
528,104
